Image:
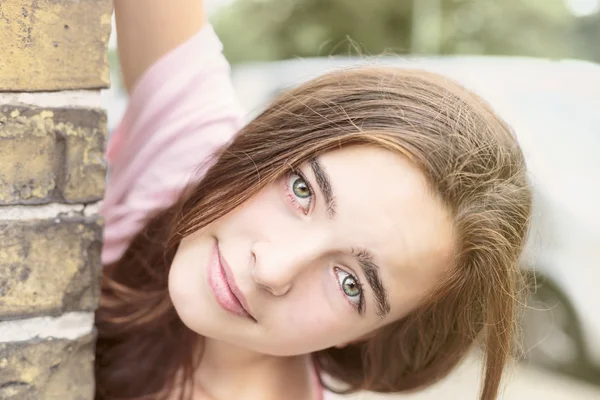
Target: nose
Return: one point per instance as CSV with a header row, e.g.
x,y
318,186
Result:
x,y
278,263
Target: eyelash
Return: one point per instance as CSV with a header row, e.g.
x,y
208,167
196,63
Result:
x,y
292,199
360,306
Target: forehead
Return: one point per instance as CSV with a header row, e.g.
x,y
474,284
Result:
x,y
385,205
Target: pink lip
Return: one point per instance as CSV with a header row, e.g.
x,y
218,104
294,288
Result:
x,y
223,286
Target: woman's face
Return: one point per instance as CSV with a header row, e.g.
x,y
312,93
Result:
x,y
346,244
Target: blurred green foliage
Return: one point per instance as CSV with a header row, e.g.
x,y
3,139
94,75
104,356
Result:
x,y
279,29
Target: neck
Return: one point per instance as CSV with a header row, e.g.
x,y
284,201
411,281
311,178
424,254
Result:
x,y
230,372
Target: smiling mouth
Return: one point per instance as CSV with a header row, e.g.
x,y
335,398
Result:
x,y
223,286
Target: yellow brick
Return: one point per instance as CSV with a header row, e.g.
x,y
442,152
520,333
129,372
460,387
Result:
x,y
84,134
49,266
47,369
54,45
51,155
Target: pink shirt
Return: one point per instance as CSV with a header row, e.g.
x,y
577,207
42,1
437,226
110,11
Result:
x,y
180,112
182,109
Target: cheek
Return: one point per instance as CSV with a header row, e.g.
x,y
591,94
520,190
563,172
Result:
x,y
307,328
313,320
263,213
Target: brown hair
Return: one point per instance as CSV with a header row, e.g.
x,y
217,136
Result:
x,y
473,163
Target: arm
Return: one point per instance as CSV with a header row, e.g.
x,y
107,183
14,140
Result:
x,y
182,110
147,29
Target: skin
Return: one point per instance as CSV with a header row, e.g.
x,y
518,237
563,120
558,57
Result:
x,y
289,255
148,29
282,258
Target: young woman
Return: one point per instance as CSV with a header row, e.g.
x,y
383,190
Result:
x,y
360,234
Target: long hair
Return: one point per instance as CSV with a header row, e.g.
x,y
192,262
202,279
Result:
x,y
472,162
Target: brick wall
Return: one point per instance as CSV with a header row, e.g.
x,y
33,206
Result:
x,y
52,136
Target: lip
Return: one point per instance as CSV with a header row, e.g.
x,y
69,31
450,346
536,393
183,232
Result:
x,y
223,286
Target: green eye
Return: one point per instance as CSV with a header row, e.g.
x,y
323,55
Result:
x,y
350,286
299,192
300,188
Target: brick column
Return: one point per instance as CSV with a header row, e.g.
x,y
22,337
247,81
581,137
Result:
x,y
52,136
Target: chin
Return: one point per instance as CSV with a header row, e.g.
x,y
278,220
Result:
x,y
274,348
187,282
185,290
189,293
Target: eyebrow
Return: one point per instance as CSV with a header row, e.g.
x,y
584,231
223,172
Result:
x,y
363,257
325,185
371,271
